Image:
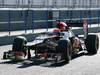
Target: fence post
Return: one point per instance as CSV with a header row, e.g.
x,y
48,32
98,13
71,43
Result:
x,y
3,2
59,15
25,20
47,22
9,22
32,20
98,16
90,12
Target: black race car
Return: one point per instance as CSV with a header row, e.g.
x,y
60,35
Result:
x,y
55,45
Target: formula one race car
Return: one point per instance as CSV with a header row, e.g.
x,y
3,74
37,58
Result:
x,y
55,45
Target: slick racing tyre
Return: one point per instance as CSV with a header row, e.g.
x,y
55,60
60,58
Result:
x,y
92,44
64,47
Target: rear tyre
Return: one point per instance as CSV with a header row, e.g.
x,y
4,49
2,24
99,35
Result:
x,y
64,47
92,44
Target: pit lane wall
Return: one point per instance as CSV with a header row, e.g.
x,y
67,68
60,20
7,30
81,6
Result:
x,y
14,19
6,40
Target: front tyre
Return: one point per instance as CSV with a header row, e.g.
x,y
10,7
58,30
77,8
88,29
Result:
x,y
64,47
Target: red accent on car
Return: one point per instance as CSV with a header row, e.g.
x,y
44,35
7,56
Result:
x,y
56,30
19,54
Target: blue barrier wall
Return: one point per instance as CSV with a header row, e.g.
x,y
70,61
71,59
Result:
x,y
11,20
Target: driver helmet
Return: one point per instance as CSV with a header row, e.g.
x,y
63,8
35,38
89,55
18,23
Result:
x,y
62,25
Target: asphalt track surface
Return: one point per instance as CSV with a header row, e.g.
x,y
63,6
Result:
x,y
83,64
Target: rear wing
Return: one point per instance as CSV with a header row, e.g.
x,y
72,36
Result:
x,y
83,24
75,24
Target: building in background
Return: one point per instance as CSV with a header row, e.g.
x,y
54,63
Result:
x,y
50,3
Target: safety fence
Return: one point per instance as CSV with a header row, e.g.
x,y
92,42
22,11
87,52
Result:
x,y
42,14
12,20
